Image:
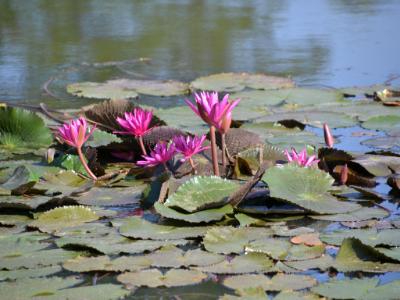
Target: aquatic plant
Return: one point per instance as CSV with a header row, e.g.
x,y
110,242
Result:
x,y
189,146
75,134
161,154
329,140
301,158
217,114
136,123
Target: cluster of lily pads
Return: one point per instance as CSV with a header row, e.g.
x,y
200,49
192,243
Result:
x,y
126,201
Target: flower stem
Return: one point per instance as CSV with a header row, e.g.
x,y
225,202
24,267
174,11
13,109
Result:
x,y
83,161
223,151
194,171
214,155
140,138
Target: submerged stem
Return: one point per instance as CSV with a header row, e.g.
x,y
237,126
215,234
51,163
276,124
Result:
x,y
214,155
140,139
194,171
84,163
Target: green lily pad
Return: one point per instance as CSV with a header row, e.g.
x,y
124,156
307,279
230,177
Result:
x,y
294,295
250,293
278,282
69,162
306,187
101,138
387,291
362,214
104,263
232,240
31,203
249,263
127,88
232,82
182,117
322,263
393,253
29,273
385,142
20,182
379,165
14,220
208,215
371,236
356,256
61,217
346,289
384,123
138,228
35,287
201,192
21,130
154,278
107,291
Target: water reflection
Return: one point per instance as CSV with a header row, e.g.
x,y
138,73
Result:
x,y
325,42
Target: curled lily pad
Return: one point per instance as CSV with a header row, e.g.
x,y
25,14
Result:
x,y
231,82
306,187
20,181
139,228
232,240
154,278
127,88
277,283
379,165
61,217
202,192
356,256
362,214
249,263
22,131
208,215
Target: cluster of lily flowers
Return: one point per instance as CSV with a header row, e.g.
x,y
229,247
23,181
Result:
x,y
217,114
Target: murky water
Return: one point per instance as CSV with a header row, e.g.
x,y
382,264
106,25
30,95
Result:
x,y
323,42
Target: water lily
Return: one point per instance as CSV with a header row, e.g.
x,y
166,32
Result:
x,y
189,146
344,174
161,154
329,140
301,158
136,123
217,114
75,134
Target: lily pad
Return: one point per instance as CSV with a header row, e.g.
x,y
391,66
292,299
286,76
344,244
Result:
x,y
384,123
250,293
232,82
306,187
29,273
249,263
356,256
20,182
346,289
362,214
154,278
232,240
322,263
61,217
127,88
379,165
101,138
294,295
208,215
138,228
22,131
202,192
277,283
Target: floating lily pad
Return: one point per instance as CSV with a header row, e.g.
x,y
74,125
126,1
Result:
x,y
346,289
202,192
306,187
127,88
385,143
20,182
232,82
208,215
29,273
249,263
384,123
379,165
250,293
31,203
14,220
364,213
154,278
356,256
232,240
293,295
36,287
277,283
322,263
22,131
139,228
371,237
101,138
60,217
104,263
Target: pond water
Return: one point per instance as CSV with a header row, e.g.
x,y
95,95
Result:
x,y
317,42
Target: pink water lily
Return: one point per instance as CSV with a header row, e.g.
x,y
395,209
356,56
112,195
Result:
x,y
136,123
217,114
301,158
161,154
75,134
189,146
